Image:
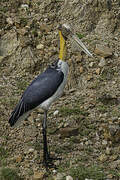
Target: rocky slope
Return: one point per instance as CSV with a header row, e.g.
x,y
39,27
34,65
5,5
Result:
x,y
85,131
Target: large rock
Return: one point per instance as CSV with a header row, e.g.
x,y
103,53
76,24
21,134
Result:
x,y
38,175
8,44
103,51
68,131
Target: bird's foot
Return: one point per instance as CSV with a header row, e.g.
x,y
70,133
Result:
x,y
48,161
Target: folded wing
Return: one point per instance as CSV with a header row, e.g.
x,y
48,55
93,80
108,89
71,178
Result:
x,y
41,88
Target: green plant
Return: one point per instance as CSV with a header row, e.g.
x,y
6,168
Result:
x,y
9,174
3,153
83,172
80,35
65,111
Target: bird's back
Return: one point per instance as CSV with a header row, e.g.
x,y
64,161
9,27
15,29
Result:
x,y
41,88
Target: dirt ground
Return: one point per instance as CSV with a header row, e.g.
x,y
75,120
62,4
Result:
x,y
84,124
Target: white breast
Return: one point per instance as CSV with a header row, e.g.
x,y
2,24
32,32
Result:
x,y
64,68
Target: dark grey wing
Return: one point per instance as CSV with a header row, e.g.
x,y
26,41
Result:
x,y
41,88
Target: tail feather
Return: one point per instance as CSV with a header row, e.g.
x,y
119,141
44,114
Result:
x,y
20,113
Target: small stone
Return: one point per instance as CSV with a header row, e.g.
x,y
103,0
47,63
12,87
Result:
x,y
46,20
104,142
72,90
38,175
103,51
103,158
39,125
31,150
59,176
89,77
24,6
108,151
91,64
45,28
81,69
114,157
88,142
54,171
98,71
40,46
1,58
116,55
9,21
18,159
110,176
56,113
69,178
102,62
115,164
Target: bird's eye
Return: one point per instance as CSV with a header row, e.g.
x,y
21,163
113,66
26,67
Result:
x,y
60,63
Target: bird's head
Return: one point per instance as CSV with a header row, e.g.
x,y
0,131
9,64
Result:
x,y
66,32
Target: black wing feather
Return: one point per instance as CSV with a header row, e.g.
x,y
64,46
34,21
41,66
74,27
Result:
x,y
41,88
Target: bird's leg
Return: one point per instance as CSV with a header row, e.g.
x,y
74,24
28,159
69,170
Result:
x,y
46,155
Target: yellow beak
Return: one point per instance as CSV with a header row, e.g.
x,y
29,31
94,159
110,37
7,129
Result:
x,y
62,52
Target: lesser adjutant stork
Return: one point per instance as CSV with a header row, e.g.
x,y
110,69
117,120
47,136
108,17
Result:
x,y
47,87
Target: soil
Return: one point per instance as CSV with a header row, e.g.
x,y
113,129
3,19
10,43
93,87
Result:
x,y
84,124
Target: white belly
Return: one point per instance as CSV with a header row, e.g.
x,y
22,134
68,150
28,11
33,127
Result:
x,y
46,104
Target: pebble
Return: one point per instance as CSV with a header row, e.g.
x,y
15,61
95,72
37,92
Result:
x,y
89,77
109,176
59,176
69,178
98,71
9,21
24,6
56,113
88,142
102,62
39,125
38,175
91,64
54,171
104,142
40,46
103,158
116,55
31,150
81,69
46,20
108,150
67,132
18,159
72,90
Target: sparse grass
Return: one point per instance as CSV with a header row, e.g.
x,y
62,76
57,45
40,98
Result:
x,y
80,36
11,102
66,111
65,149
3,153
107,74
115,173
9,174
37,146
21,84
23,21
102,108
83,172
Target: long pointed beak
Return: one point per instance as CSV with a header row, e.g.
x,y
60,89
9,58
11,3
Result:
x,y
67,32
81,45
